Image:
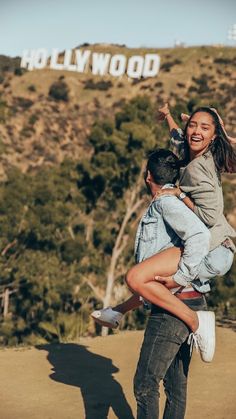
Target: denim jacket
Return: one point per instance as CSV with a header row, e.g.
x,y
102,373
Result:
x,y
169,222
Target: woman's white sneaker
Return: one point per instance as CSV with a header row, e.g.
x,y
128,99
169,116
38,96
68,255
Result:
x,y
107,317
204,337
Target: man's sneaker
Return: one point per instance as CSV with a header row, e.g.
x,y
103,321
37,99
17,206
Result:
x,y
204,337
107,317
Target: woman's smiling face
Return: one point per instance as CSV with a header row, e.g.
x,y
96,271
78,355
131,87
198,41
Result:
x,y
200,133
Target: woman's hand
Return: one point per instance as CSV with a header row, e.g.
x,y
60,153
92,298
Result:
x,y
167,191
232,140
175,192
184,117
167,281
163,112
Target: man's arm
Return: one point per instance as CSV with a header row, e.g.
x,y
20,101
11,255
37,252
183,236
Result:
x,y
195,236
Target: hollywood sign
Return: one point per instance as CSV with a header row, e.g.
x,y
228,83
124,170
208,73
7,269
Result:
x,y
101,64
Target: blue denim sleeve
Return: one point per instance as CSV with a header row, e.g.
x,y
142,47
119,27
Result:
x,y
192,231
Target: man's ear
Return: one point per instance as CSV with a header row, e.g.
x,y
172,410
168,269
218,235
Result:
x,y
149,177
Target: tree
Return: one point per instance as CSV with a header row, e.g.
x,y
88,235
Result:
x,y
67,233
59,91
112,183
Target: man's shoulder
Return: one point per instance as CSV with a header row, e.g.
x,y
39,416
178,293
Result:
x,y
172,207
165,201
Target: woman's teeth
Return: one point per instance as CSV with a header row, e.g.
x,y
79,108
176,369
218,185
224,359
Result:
x,y
196,139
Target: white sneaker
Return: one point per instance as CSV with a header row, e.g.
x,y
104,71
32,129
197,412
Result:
x,y
107,317
204,337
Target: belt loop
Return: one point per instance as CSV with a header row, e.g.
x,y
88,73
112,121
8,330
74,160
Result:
x,y
179,291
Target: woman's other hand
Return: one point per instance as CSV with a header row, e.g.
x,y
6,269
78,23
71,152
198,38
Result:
x,y
232,140
167,191
184,117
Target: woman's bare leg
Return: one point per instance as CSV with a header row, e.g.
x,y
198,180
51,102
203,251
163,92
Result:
x,y
167,265
140,280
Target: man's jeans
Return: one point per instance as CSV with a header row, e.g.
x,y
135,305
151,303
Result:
x,y
165,355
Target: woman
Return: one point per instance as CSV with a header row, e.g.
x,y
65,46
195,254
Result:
x,y
207,153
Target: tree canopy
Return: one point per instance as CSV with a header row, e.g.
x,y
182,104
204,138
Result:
x,y
59,228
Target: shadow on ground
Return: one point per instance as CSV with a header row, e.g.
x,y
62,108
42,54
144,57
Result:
x,y
74,365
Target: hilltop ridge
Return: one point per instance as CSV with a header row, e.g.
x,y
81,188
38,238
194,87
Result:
x,y
36,128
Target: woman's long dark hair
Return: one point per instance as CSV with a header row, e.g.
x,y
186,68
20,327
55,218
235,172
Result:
x,y
222,151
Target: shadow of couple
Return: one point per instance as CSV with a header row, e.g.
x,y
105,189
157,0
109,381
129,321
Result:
x,y
74,365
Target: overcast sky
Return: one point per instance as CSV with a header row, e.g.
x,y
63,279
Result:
x,y
64,24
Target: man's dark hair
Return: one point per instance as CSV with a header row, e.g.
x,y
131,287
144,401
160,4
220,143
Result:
x,y
163,166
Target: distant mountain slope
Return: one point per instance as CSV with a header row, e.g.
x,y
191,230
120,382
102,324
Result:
x,y
36,128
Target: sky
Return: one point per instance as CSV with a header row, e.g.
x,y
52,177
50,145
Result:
x,y
65,24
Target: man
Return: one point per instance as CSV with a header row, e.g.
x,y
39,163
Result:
x,y
165,353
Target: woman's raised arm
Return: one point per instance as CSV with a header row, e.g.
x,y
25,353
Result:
x,y
165,114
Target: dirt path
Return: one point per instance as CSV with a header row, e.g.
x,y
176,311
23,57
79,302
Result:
x,y
58,381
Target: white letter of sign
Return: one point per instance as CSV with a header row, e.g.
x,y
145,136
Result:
x,y
117,65
27,59
40,58
82,58
100,63
53,63
135,66
67,61
151,65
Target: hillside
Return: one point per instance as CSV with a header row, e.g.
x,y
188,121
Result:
x,y
36,129
71,149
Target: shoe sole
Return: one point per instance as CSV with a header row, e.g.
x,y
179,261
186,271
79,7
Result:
x,y
104,323
212,341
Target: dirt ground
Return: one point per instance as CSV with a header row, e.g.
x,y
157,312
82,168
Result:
x,y
95,375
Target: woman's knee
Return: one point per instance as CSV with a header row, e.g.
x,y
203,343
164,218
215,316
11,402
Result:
x,y
134,279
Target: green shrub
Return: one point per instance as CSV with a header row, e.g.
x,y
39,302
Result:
x,y
33,118
19,71
27,131
3,111
23,103
59,91
226,61
169,64
100,85
32,88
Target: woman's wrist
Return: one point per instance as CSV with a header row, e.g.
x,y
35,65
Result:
x,y
177,191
